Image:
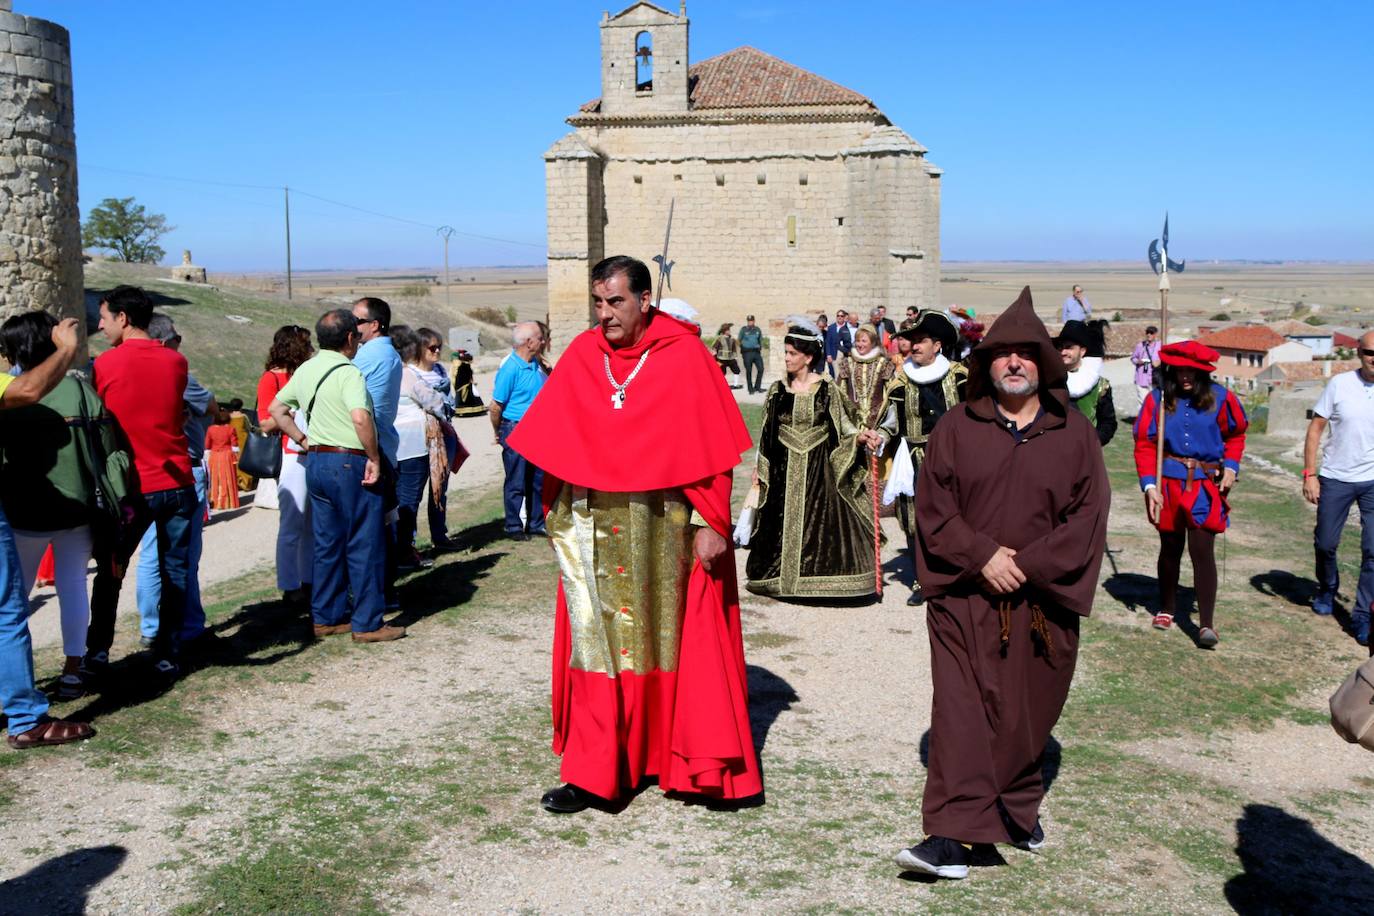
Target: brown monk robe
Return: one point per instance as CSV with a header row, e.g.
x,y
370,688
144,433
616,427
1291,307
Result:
x,y
1012,523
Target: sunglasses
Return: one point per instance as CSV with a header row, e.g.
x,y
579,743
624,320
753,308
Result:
x,y
1364,352
434,349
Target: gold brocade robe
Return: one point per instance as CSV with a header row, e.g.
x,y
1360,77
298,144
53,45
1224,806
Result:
x,y
865,382
625,559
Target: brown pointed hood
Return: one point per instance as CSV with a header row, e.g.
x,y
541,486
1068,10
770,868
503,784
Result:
x,y
1020,325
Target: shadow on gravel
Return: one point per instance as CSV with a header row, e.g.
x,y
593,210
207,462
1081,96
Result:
x,y
60,885
1049,762
1291,868
479,537
444,585
1135,591
769,697
256,635
267,632
1282,584
1138,592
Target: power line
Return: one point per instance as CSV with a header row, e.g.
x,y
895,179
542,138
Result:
x,y
336,203
222,184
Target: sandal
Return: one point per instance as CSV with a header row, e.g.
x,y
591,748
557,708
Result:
x,y
70,687
1162,621
49,732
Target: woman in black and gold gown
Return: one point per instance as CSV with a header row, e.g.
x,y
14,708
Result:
x,y
813,526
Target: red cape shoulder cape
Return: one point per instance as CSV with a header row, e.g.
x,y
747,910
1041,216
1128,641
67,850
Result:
x,y
679,428
679,423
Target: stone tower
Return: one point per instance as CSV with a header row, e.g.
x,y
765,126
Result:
x,y
40,226
644,61
791,193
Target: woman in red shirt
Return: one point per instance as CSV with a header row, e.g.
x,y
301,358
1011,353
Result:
x,y
295,547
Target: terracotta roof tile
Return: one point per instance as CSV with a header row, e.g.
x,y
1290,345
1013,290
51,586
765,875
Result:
x,y
1258,338
748,78
1311,369
1292,328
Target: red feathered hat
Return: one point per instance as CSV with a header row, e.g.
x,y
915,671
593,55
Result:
x,y
1191,354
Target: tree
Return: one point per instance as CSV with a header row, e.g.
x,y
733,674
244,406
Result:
x,y
127,229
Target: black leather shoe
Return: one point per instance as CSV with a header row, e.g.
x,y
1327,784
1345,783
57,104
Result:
x,y
567,799
916,599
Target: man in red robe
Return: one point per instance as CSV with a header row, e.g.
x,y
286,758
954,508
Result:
x,y
638,436
1011,515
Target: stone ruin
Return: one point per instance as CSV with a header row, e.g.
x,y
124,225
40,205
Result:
x,y
40,225
188,272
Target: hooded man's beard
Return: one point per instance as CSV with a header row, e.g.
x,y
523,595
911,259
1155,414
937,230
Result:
x,y
1008,385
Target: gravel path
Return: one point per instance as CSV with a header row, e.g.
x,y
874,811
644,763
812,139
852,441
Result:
x,y
846,699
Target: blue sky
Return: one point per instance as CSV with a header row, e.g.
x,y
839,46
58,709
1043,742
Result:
x,y
1065,129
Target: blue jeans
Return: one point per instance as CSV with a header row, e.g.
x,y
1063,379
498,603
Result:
x,y
150,582
350,551
21,700
524,483
411,476
1332,510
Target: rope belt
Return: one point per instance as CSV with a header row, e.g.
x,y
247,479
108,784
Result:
x,y
1212,468
1039,627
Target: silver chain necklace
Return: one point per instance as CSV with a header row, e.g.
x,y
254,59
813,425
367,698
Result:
x,y
618,396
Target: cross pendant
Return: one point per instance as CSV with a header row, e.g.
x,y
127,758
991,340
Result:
x,y
618,400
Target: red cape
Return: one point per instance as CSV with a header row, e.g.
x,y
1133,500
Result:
x,y
679,428
679,423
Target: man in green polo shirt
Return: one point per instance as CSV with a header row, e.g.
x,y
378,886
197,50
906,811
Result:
x,y
341,477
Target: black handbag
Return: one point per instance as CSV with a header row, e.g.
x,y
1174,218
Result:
x,y
260,456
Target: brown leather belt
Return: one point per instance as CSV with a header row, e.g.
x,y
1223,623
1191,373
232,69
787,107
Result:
x,y
334,448
1212,468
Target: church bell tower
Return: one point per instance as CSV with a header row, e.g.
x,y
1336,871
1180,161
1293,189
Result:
x,y
644,61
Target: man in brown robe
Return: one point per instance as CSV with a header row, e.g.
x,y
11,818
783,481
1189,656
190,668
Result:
x,y
1011,509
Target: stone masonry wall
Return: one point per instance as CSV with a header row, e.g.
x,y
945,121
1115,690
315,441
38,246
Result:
x,y
770,218
40,225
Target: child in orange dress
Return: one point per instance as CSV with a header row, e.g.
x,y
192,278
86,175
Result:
x,y
221,451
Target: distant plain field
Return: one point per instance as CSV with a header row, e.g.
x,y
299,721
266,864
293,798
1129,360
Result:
x,y
1339,293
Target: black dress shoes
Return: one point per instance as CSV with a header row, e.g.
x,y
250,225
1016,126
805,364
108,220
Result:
x,y
567,799
916,599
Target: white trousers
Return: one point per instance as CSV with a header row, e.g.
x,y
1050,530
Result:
x,y
71,553
1141,394
295,544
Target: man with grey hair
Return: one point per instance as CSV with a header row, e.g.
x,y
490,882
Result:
x,y
1345,476
886,329
1076,308
200,413
517,383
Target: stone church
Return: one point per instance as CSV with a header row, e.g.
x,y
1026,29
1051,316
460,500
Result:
x,y
792,193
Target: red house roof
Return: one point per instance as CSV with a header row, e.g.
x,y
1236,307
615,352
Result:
x,y
1254,338
748,78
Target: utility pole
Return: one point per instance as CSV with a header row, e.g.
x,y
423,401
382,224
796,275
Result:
x,y
446,232
287,192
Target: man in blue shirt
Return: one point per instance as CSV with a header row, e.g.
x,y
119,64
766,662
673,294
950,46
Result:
x,y
1076,308
517,383
380,365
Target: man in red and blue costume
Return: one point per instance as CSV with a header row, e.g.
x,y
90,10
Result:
x,y
638,436
1204,440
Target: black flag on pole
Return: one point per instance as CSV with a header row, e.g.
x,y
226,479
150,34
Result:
x,y
1159,252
